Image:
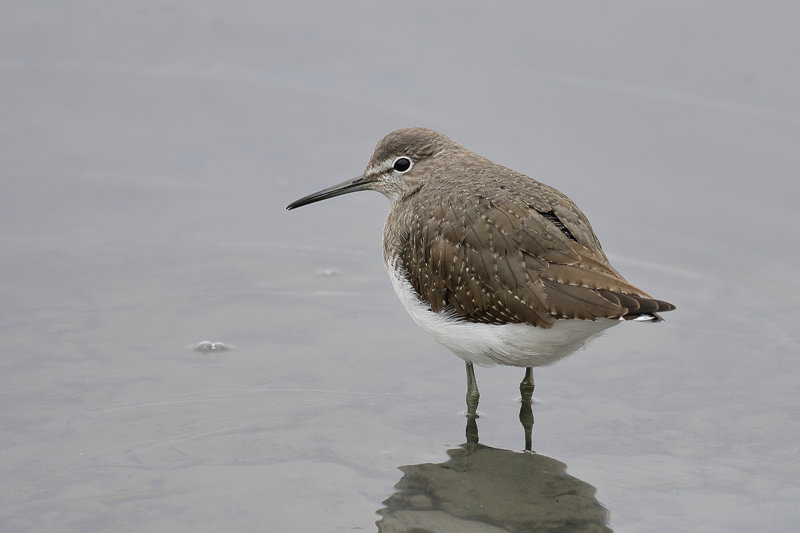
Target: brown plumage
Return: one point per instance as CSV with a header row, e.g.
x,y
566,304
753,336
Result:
x,y
500,247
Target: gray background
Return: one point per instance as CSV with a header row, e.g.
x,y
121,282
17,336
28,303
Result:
x,y
147,152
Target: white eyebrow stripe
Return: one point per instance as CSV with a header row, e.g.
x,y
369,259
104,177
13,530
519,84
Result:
x,y
380,168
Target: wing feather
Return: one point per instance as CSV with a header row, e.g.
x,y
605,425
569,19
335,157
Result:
x,y
526,258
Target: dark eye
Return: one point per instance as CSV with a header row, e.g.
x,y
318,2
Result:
x,y
401,164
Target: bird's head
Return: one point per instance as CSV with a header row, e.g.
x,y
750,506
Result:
x,y
399,165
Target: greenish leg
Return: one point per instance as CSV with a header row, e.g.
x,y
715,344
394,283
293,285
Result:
x,y
526,410
526,386
472,391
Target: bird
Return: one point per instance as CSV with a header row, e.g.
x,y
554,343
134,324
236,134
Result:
x,y
498,267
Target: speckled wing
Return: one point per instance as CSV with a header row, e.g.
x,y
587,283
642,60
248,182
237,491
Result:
x,y
497,258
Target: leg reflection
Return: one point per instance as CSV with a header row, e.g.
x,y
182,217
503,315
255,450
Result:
x,y
472,430
526,409
472,406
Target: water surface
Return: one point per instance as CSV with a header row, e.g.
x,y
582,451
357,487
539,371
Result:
x,y
149,151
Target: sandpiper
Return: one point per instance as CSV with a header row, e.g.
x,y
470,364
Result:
x,y
498,267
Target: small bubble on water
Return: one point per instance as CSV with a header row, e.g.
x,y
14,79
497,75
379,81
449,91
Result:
x,y
211,346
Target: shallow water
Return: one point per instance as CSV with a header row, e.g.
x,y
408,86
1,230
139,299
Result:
x,y
149,151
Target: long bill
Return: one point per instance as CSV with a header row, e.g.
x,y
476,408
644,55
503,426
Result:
x,y
352,185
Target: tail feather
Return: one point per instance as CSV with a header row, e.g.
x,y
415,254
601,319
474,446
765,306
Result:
x,y
640,308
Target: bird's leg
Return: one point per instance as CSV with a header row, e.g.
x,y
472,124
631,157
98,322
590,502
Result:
x,y
526,410
472,391
526,386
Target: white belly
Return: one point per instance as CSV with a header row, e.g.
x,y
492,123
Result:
x,y
492,344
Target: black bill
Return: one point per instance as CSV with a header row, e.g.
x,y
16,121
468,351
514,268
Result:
x,y
359,184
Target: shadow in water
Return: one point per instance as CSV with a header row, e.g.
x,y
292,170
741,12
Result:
x,y
488,490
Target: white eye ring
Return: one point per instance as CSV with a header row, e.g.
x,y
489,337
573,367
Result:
x,y
402,164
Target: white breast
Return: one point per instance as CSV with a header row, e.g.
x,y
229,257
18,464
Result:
x,y
491,344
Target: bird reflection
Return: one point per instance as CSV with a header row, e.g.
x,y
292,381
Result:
x,y
489,490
